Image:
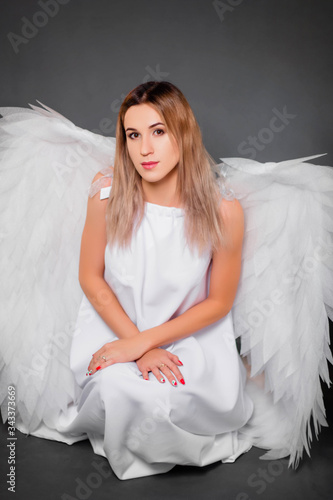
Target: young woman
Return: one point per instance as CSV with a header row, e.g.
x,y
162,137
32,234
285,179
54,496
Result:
x,y
158,378
160,263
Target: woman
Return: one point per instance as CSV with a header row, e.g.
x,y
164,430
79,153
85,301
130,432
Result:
x,y
160,262
158,379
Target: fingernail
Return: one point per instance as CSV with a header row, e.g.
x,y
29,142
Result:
x,y
162,380
182,381
180,362
174,382
98,368
146,379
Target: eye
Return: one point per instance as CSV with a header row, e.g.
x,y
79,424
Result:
x,y
159,131
133,135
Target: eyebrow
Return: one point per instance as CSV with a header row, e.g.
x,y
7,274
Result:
x,y
150,126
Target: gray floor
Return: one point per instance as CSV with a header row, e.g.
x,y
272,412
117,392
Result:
x,y
50,470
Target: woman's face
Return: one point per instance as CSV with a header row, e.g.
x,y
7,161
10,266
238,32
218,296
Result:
x,y
153,151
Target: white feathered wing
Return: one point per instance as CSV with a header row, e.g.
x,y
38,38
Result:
x,y
285,295
47,164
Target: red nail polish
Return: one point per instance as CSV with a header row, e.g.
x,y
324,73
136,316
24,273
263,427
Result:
x,y
98,368
180,362
146,379
182,381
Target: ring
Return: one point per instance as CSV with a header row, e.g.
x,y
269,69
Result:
x,y
103,357
161,366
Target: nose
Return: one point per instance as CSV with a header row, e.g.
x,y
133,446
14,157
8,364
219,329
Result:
x,y
146,145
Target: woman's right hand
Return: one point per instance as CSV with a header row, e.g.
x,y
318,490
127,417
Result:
x,y
163,364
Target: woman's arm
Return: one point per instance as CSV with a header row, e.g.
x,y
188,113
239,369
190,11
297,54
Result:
x,y
91,271
98,292
225,273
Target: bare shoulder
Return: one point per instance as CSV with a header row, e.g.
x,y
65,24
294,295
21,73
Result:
x,y
101,180
231,210
100,175
96,205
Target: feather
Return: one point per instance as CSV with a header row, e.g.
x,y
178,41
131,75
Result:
x,y
284,297
47,164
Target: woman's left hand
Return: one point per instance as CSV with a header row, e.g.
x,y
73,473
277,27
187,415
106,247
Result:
x,y
161,363
118,351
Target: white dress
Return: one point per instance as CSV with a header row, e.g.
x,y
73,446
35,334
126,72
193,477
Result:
x,y
145,427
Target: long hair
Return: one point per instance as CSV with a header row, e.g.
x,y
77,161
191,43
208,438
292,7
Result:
x,y
197,188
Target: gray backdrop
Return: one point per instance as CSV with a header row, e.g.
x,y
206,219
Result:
x,y
258,73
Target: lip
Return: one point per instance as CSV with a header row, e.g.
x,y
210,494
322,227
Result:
x,y
148,165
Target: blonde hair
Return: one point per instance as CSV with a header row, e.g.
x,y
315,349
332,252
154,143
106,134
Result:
x,y
197,188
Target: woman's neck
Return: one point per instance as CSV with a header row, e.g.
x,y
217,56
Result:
x,y
163,192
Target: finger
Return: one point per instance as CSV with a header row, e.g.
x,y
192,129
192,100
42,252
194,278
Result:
x,y
159,376
98,354
169,375
99,358
95,366
174,358
94,362
174,370
145,374
178,374
104,365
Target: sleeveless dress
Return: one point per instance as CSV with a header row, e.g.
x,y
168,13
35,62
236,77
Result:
x,y
145,427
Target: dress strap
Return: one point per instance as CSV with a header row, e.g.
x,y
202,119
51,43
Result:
x,y
103,184
221,174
